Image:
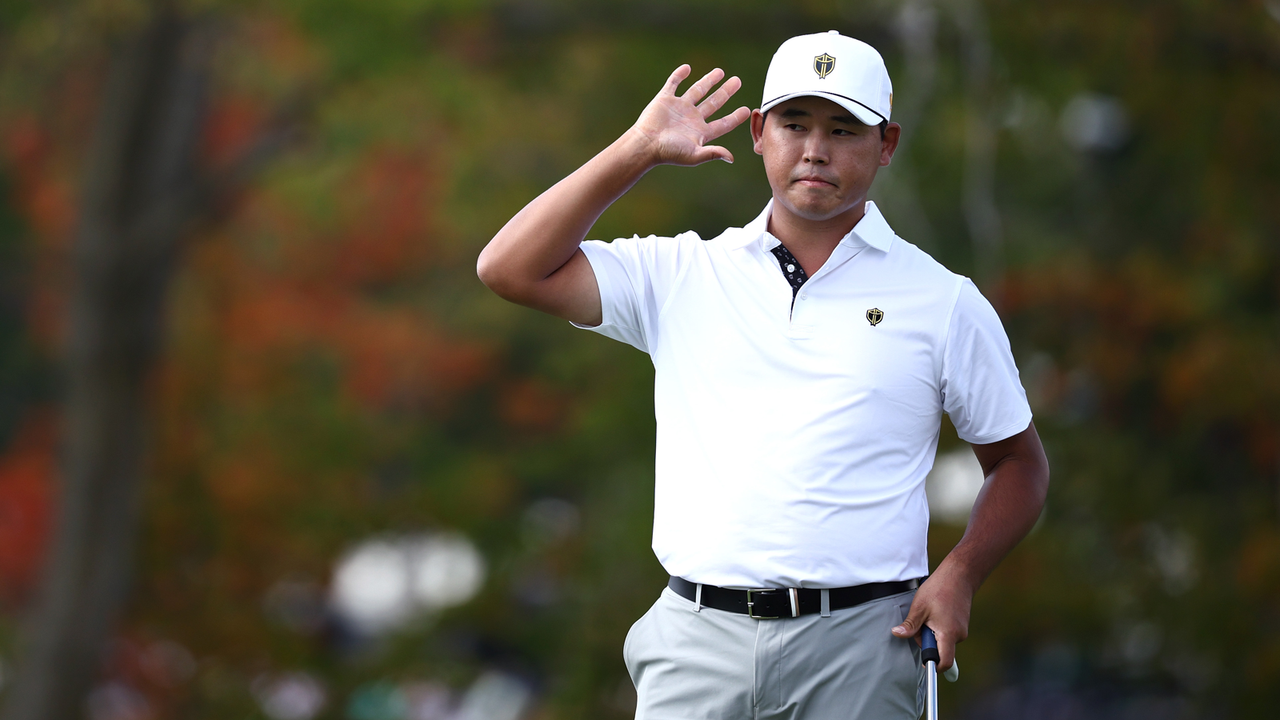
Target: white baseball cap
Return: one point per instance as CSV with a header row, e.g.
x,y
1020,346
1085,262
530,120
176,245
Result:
x,y
829,65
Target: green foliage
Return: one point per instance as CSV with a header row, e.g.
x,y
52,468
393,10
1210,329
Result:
x,y
336,372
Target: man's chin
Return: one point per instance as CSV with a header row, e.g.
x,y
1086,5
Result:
x,y
816,211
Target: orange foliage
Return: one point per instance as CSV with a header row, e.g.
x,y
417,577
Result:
x,y
1258,567
393,356
230,128
531,405
387,210
44,200
242,482
1147,320
315,299
26,504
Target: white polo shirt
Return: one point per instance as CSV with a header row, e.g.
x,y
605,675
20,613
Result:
x,y
793,443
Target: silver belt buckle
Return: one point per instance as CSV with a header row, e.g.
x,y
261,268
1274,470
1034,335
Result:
x,y
792,594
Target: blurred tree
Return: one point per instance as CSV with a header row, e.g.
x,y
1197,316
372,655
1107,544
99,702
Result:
x,y
142,193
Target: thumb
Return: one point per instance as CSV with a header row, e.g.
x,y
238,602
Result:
x,y
912,625
716,152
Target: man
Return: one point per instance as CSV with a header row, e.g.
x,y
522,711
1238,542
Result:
x,y
802,362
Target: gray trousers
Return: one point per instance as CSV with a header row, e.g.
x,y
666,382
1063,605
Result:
x,y
703,664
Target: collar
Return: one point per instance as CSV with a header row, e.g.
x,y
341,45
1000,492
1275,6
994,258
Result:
x,y
872,230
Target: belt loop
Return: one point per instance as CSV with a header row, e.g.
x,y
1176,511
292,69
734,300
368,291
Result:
x,y
826,602
697,599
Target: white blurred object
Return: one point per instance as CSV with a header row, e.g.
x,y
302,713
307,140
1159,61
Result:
x,y
381,583
371,586
1095,123
953,485
494,696
292,696
447,570
117,701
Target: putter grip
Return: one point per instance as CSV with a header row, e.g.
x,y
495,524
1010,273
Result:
x,y
929,647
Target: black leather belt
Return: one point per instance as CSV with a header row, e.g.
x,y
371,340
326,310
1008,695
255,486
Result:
x,y
774,603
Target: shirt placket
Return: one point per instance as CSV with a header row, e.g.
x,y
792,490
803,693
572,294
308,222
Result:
x,y
800,317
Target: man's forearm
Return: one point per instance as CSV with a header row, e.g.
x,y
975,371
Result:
x,y
542,237
1012,497
1005,511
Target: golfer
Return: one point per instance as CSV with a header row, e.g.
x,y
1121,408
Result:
x,y
803,363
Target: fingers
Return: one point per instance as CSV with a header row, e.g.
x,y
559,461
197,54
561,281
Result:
x,y
719,97
677,76
912,627
915,622
682,120
716,128
946,650
698,90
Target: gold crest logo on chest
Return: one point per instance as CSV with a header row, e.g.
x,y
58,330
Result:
x,y
874,316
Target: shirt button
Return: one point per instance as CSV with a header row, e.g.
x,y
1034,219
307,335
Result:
x,y
804,296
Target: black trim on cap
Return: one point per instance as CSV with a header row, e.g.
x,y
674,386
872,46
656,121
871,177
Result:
x,y
801,93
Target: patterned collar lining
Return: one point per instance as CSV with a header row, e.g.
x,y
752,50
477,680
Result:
x,y
791,268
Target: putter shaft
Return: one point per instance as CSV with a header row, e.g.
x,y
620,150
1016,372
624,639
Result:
x,y
931,690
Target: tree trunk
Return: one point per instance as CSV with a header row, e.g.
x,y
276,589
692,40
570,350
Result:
x,y
137,204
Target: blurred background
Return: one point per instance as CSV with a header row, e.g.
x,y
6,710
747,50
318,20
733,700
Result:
x,y
268,449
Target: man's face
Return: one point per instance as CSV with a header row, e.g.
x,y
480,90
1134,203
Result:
x,y
819,158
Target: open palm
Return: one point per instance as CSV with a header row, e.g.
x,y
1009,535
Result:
x,y
677,127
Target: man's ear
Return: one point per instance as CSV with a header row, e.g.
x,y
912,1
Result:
x,y
757,131
892,133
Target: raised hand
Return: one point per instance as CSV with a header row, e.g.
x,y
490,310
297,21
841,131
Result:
x,y
675,128
536,259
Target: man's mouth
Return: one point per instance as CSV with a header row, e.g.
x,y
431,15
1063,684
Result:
x,y
814,181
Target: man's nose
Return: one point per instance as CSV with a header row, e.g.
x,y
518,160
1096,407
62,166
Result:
x,y
815,150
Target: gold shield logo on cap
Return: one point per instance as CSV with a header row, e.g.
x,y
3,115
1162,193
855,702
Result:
x,y
874,316
823,65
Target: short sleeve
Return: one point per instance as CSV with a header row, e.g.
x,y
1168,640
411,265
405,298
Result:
x,y
635,276
981,391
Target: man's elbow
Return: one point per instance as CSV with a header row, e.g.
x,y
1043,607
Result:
x,y
490,272
498,278
485,270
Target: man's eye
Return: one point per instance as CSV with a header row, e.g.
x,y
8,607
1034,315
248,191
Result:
x,y
792,126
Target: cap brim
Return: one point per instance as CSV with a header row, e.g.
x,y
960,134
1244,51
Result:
x,y
865,114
